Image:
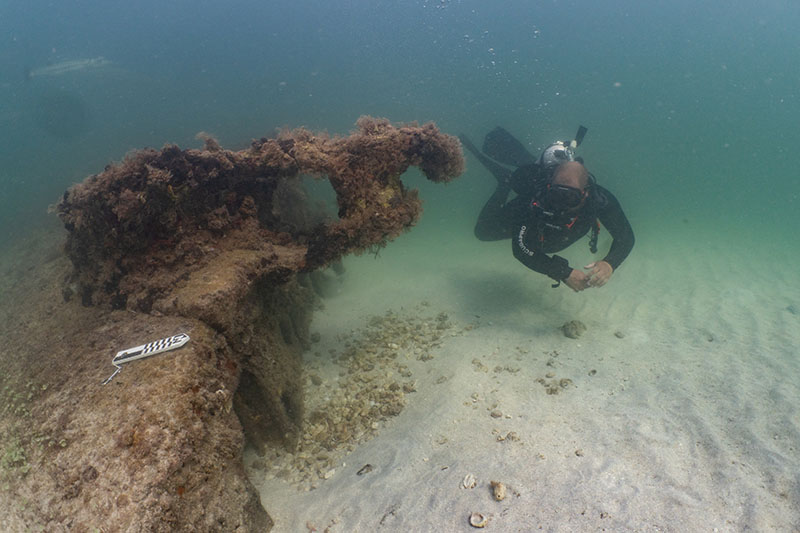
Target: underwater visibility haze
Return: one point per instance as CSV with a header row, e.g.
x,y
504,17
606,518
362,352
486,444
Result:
x,y
692,114
690,105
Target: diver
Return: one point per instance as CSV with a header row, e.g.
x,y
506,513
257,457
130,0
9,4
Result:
x,y
557,202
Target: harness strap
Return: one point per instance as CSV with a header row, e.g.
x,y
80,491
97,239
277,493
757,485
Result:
x,y
541,225
593,238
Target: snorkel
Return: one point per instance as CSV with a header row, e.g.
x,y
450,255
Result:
x,y
579,135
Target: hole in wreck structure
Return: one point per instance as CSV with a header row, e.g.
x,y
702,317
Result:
x,y
298,206
301,203
321,194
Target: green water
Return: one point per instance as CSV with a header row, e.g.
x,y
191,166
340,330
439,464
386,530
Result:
x,y
691,107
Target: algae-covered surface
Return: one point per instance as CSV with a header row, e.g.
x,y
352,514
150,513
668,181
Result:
x,y
137,454
224,247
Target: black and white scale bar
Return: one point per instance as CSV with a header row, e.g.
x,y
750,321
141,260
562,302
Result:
x,y
151,348
146,350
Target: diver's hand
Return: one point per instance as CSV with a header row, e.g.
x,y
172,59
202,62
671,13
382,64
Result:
x,y
577,280
599,274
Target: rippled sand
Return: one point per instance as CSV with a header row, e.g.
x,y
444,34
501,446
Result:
x,y
677,409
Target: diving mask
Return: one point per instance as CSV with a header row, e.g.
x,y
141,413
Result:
x,y
564,198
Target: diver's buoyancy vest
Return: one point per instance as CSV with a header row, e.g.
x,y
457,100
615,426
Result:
x,y
547,218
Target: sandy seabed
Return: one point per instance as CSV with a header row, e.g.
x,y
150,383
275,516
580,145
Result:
x,y
676,410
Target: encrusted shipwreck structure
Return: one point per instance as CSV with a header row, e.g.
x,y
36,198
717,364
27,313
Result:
x,y
217,244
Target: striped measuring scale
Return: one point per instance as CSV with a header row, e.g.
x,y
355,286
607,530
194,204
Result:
x,y
146,350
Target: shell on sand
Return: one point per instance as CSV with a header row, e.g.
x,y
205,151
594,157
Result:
x,y
469,482
478,520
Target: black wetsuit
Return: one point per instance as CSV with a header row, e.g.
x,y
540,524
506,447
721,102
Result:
x,y
535,232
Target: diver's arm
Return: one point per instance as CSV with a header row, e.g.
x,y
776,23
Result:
x,y
615,221
529,253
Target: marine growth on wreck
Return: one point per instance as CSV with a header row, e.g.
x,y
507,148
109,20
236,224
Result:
x,y
224,242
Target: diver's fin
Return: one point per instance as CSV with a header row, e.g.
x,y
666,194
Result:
x,y
582,130
505,148
501,173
